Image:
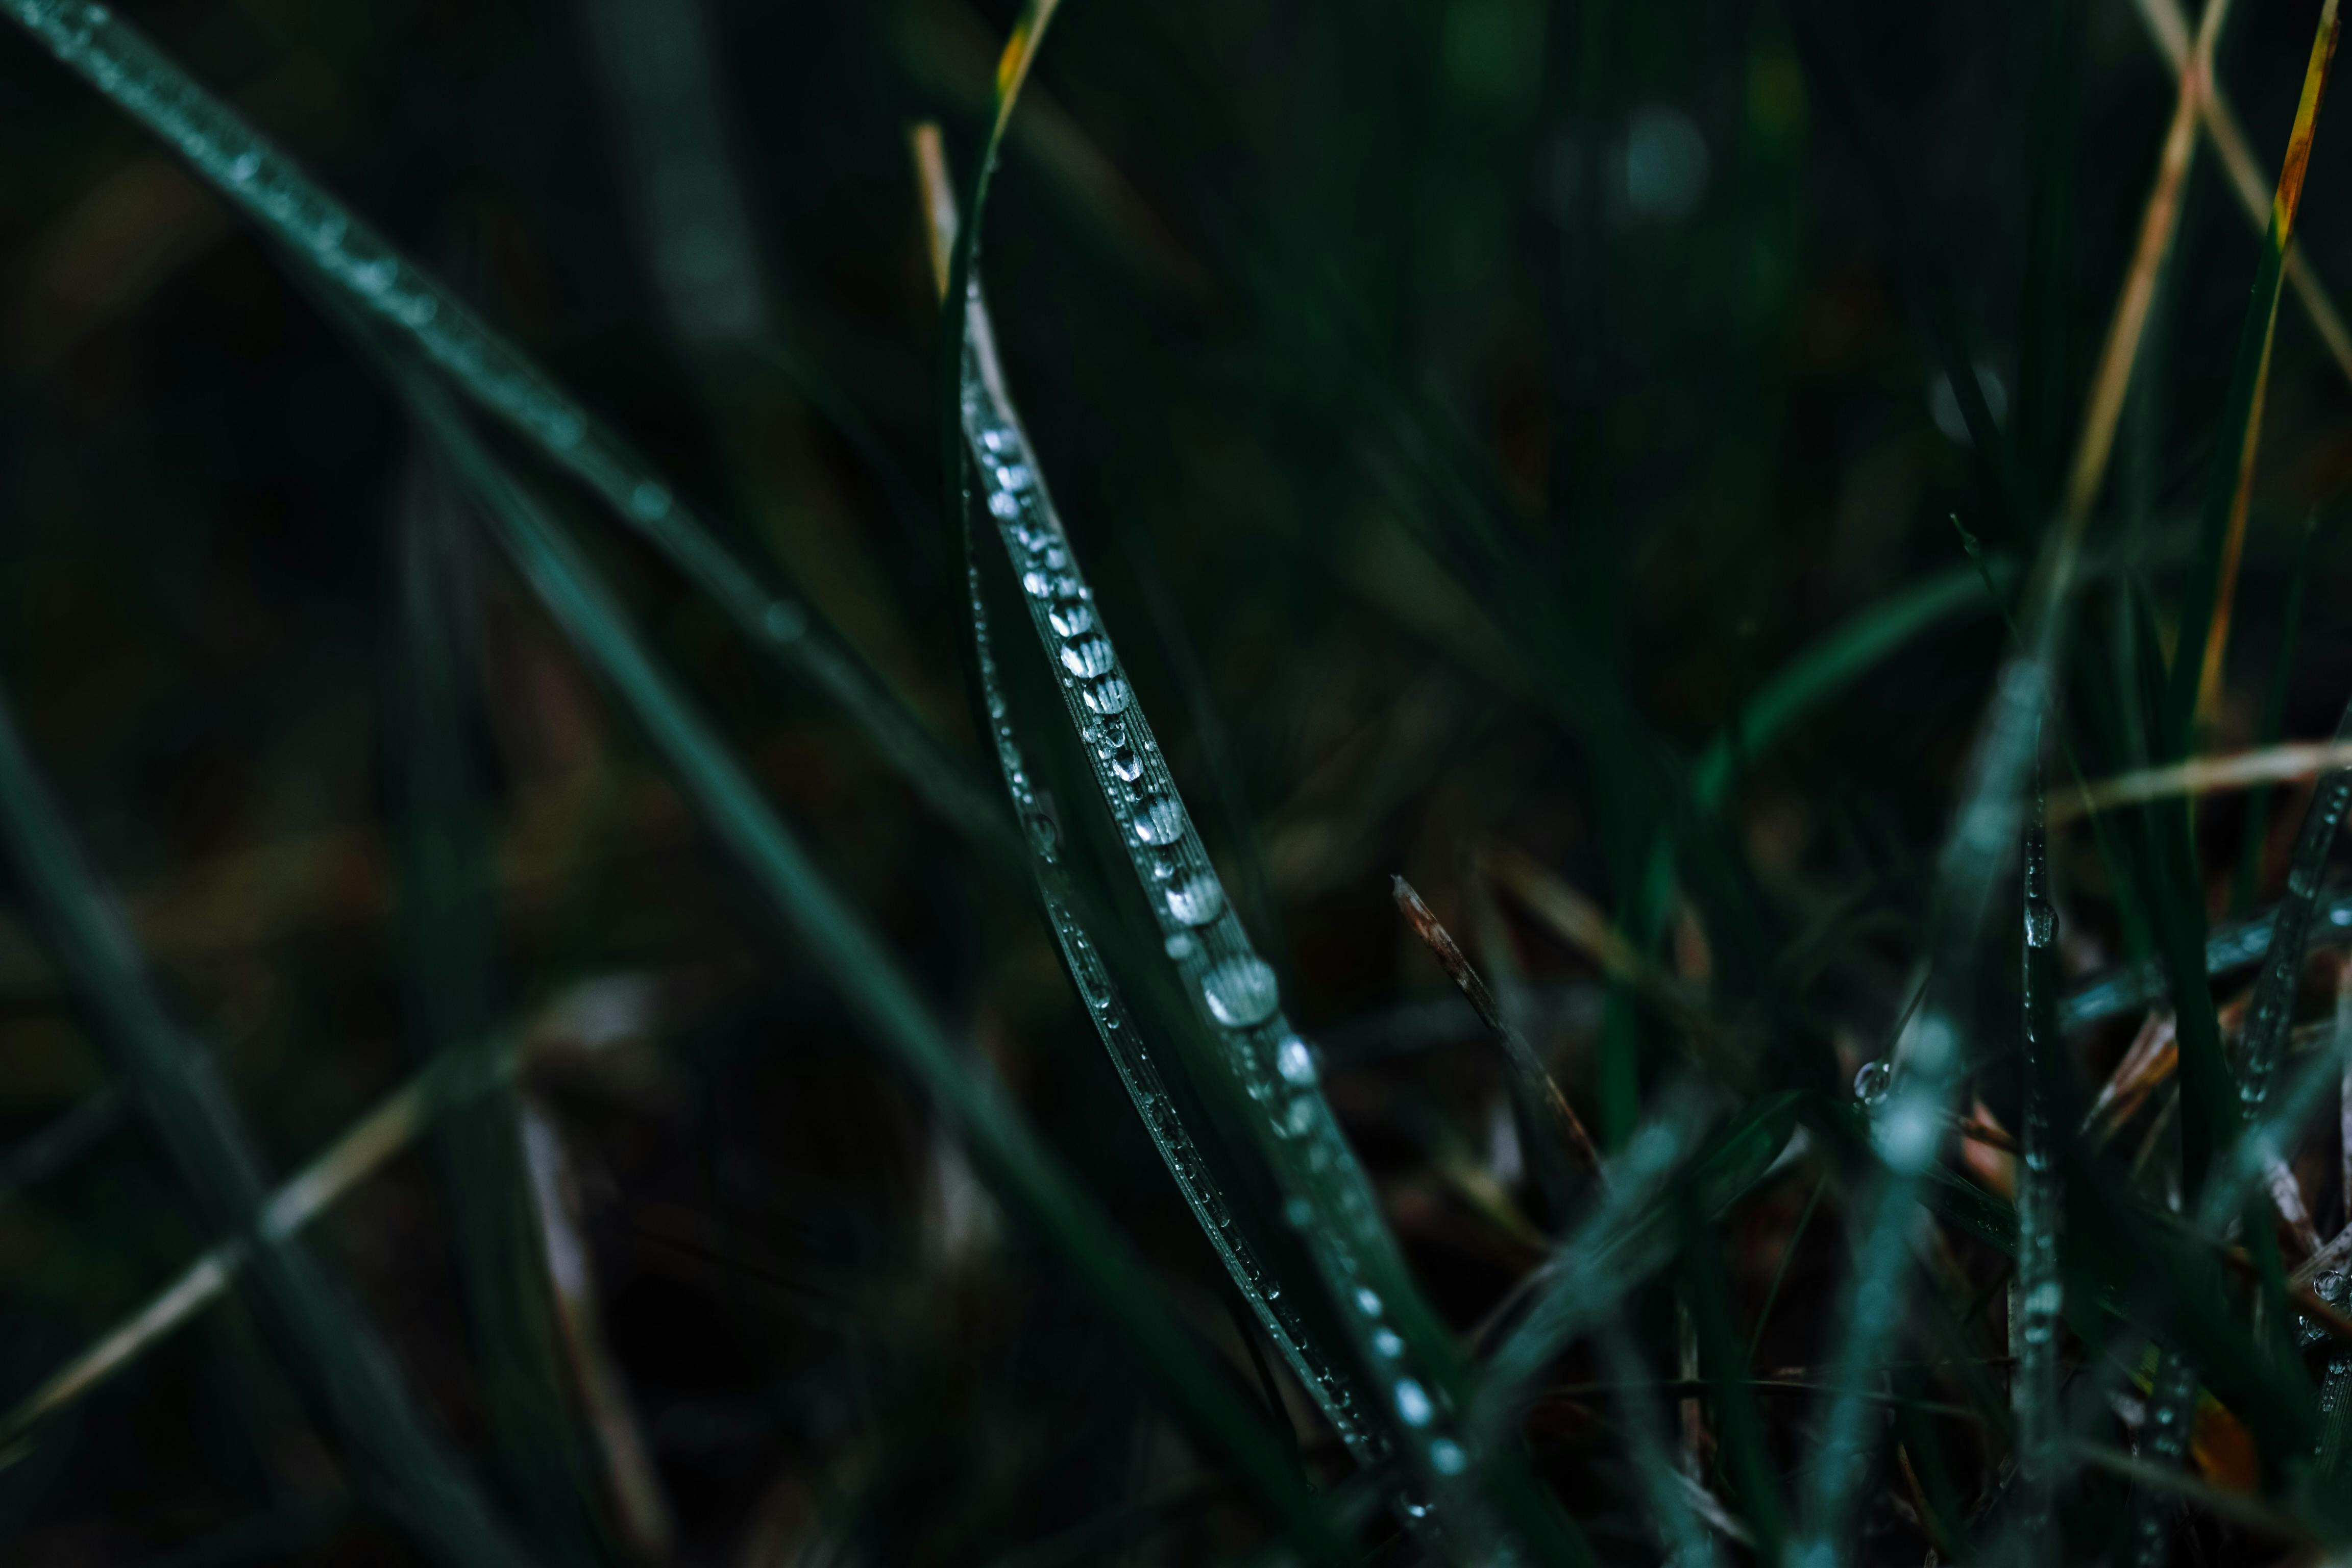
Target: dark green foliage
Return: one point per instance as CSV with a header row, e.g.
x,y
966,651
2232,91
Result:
x,y
1503,435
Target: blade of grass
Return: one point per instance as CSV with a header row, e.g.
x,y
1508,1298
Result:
x,y
2274,1005
1739,1429
345,1372
871,983
390,1126
2212,583
1398,1340
2169,30
2040,1288
2273,725
2232,947
2206,776
1333,1385
1547,1121
358,266
449,910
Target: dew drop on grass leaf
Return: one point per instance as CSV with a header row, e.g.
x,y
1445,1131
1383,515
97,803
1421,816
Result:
x,y
1197,900
1088,657
1109,695
1870,1085
1161,820
1241,992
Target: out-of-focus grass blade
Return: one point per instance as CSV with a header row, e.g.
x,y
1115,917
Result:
x,y
1401,1346
1548,1123
450,908
882,997
2232,947
332,244
385,1129
336,1357
1909,1127
2169,30
1725,1365
2212,582
1830,666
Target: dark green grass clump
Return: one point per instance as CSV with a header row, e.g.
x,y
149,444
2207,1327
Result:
x,y
716,841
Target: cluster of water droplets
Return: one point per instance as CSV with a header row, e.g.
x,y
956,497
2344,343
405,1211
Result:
x,y
1238,991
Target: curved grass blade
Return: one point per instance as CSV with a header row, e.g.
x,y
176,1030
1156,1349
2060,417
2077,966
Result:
x,y
360,266
449,907
877,992
1405,1352
345,1372
2212,585
1328,1380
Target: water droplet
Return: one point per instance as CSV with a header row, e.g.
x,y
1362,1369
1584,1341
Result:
x,y
243,167
1368,1302
1162,868
1415,1508
1300,1212
1412,1402
999,439
1127,764
1241,992
1088,657
2041,925
785,622
1014,477
1109,695
1159,819
1447,1457
1196,900
1871,1084
1388,1341
1182,946
1004,504
1042,585
1294,1062
1301,1119
1070,617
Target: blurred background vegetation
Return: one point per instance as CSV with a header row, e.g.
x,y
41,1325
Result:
x,y
1290,295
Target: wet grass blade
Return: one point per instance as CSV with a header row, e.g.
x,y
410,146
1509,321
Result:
x,y
2049,1121
349,259
2274,1005
2212,582
1240,1243
1417,1373
877,992
345,1371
